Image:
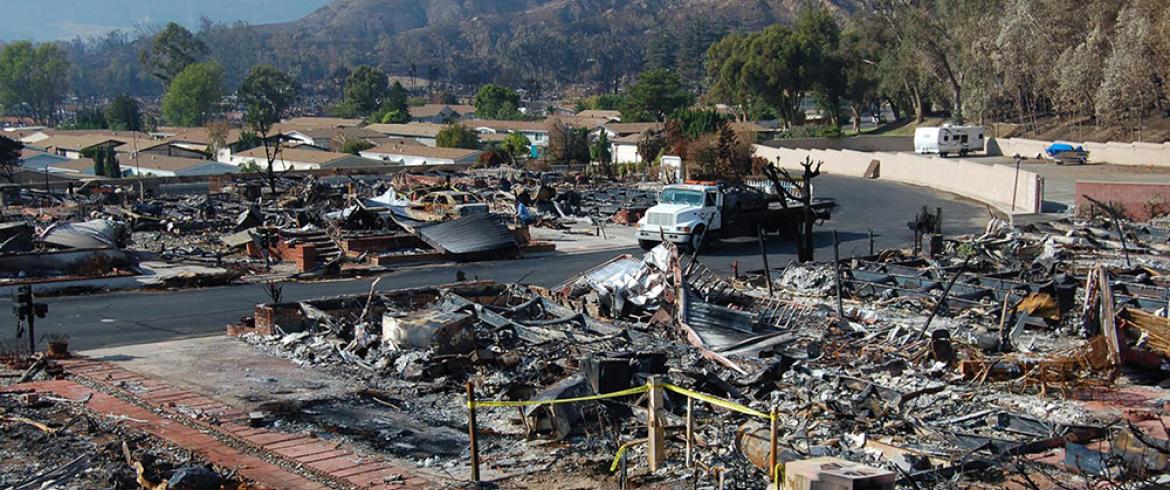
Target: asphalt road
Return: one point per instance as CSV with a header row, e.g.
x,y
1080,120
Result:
x,y
127,318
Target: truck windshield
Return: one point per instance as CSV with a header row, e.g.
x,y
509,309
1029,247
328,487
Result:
x,y
680,196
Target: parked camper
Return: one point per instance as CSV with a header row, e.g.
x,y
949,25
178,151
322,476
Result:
x,y
948,139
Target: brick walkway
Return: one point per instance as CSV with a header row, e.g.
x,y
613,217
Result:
x,y
323,460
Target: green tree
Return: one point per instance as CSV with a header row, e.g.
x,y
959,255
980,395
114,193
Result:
x,y
9,157
395,107
515,146
656,94
194,95
365,90
456,135
266,94
601,153
34,80
650,146
697,122
567,145
820,37
123,114
354,146
112,166
497,102
171,51
89,118
99,163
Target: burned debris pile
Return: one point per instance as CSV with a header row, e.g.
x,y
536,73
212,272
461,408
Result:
x,y
1027,357
53,442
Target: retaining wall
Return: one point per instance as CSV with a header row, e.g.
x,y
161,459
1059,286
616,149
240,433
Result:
x,y
1137,153
857,143
1140,201
990,184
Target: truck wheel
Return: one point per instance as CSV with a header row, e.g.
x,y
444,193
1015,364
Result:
x,y
647,245
698,238
943,154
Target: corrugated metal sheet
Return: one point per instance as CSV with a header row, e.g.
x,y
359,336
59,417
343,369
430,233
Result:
x,y
480,234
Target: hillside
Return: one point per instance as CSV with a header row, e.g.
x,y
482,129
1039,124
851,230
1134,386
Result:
x,y
531,43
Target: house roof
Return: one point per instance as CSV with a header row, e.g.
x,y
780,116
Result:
x,y
633,128
342,134
423,151
600,114
81,165
162,162
579,121
430,110
75,143
353,161
202,136
428,130
322,122
499,125
493,137
627,139
296,155
390,140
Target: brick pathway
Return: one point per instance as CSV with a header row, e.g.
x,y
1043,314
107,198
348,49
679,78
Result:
x,y
329,461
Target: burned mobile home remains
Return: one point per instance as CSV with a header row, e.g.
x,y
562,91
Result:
x,y
1022,357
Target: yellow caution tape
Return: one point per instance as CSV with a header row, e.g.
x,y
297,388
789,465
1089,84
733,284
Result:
x,y
530,403
617,458
719,402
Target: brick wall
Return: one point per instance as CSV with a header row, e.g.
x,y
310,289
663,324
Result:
x,y
1141,201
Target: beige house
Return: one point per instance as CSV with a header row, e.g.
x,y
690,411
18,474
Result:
x,y
410,155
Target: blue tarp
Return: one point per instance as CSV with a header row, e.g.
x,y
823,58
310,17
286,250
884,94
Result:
x,y
1055,148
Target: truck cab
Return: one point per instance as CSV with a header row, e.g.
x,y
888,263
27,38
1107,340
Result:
x,y
685,213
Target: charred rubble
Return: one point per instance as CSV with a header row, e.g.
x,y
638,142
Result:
x,y
52,442
1028,357
310,227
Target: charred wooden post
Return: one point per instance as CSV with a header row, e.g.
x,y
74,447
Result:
x,y
471,433
655,425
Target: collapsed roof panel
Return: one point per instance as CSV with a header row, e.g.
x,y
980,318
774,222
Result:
x,y
471,236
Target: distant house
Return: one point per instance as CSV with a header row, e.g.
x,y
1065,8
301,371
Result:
x,y
601,114
322,122
618,129
288,158
409,155
152,165
424,133
200,140
35,160
441,113
166,166
72,147
625,148
535,131
321,137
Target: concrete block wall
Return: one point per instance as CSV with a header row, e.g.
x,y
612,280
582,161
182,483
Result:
x,y
1119,153
991,184
1141,201
857,143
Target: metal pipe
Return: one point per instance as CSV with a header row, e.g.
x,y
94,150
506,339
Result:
x,y
764,255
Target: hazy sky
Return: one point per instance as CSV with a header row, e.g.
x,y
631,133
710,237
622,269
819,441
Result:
x,y
45,20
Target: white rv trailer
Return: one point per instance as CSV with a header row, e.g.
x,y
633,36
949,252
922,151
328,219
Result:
x,y
947,139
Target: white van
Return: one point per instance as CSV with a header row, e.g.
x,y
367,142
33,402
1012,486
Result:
x,y
948,139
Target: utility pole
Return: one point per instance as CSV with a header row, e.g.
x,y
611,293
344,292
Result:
x,y
25,309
